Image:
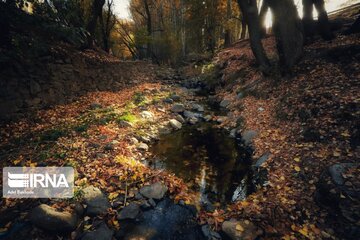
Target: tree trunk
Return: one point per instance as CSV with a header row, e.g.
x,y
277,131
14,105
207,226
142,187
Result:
x,y
5,18
288,32
243,28
323,26
262,16
228,37
96,12
308,19
250,12
149,29
323,21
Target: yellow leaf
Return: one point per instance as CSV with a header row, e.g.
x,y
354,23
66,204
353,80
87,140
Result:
x,y
113,195
3,230
115,223
239,228
245,203
87,226
17,161
345,134
304,231
297,168
297,159
102,182
336,154
286,237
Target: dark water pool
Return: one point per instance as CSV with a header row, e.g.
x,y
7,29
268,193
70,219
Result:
x,y
215,165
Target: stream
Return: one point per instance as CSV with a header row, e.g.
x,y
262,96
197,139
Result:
x,y
214,165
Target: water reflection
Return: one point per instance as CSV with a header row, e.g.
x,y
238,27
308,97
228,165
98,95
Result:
x,y
207,159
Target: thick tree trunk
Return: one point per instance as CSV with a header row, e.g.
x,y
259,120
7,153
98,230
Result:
x,y
323,26
308,19
263,10
323,21
250,12
288,31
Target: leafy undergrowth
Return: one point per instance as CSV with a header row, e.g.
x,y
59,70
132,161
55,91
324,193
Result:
x,y
90,136
307,121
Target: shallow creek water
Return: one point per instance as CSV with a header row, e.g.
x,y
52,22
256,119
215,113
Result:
x,y
214,165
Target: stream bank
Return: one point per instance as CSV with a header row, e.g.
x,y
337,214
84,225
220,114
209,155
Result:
x,y
110,142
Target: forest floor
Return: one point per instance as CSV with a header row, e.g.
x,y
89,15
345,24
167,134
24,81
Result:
x,y
305,122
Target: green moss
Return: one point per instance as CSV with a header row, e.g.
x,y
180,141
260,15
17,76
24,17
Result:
x,y
128,117
139,99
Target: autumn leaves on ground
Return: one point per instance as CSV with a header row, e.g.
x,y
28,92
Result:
x,y
306,122
305,130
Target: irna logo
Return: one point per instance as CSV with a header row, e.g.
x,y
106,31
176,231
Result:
x,y
16,180
41,182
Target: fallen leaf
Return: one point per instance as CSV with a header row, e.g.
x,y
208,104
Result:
x,y
239,228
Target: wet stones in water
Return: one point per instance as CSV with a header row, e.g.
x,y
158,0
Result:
x,y
164,130
47,218
178,108
155,191
193,120
175,124
168,100
131,211
145,139
175,98
197,107
180,118
241,230
101,232
97,203
208,118
143,147
166,221
188,114
210,234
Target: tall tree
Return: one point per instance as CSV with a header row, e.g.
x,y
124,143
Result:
x,y
323,21
107,22
96,13
250,12
288,31
149,28
262,16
